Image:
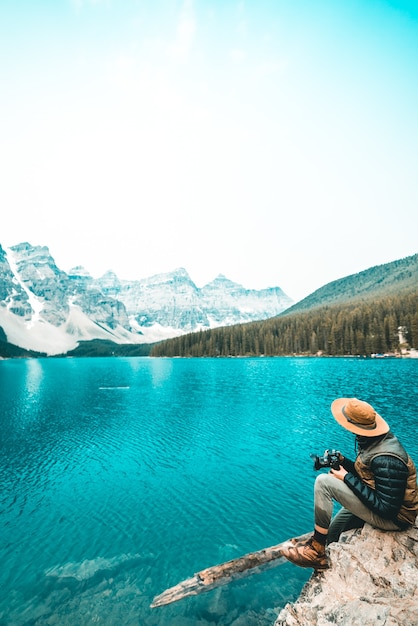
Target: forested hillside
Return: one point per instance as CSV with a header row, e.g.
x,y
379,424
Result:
x,y
389,279
359,315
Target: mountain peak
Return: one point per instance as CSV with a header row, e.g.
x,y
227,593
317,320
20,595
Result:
x,y
222,281
26,247
79,271
181,272
179,275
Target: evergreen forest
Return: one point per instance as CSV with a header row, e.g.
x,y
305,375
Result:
x,y
358,328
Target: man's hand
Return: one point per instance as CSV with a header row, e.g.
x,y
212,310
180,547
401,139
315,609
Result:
x,y
339,473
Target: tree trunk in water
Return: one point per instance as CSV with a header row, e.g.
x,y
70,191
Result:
x,y
222,574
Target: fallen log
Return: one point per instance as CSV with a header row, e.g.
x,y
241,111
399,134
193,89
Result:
x,y
222,574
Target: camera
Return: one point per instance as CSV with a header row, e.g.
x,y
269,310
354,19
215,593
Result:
x,y
331,458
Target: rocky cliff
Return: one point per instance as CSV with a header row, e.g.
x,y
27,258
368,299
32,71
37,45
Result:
x,y
372,581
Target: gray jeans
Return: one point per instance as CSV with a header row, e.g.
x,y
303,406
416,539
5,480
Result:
x,y
353,514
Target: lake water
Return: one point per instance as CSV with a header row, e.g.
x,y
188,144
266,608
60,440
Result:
x,y
122,477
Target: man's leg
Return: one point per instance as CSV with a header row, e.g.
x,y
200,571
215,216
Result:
x,y
344,520
327,489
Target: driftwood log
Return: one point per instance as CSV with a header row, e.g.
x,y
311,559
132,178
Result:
x,y
222,574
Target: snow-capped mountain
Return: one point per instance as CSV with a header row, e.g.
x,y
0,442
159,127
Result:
x,y
45,309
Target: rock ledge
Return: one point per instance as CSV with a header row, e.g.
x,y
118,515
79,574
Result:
x,y
372,581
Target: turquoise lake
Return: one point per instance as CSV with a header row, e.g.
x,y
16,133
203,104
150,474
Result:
x,y
120,477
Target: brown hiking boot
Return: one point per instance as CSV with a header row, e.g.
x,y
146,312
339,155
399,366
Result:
x,y
309,553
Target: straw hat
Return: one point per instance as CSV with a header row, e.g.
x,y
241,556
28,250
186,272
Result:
x,y
358,417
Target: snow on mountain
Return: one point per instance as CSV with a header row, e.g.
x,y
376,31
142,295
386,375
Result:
x,y
45,309
227,302
171,300
33,303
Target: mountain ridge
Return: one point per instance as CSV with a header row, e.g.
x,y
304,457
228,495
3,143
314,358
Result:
x,y
385,279
47,310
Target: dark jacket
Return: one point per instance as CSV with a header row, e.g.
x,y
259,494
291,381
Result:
x,y
384,477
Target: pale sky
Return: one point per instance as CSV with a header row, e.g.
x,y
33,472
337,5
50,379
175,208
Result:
x,y
273,141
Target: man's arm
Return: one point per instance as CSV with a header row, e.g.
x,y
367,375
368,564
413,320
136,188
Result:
x,y
390,475
348,465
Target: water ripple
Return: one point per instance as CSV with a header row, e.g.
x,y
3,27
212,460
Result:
x,y
136,473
